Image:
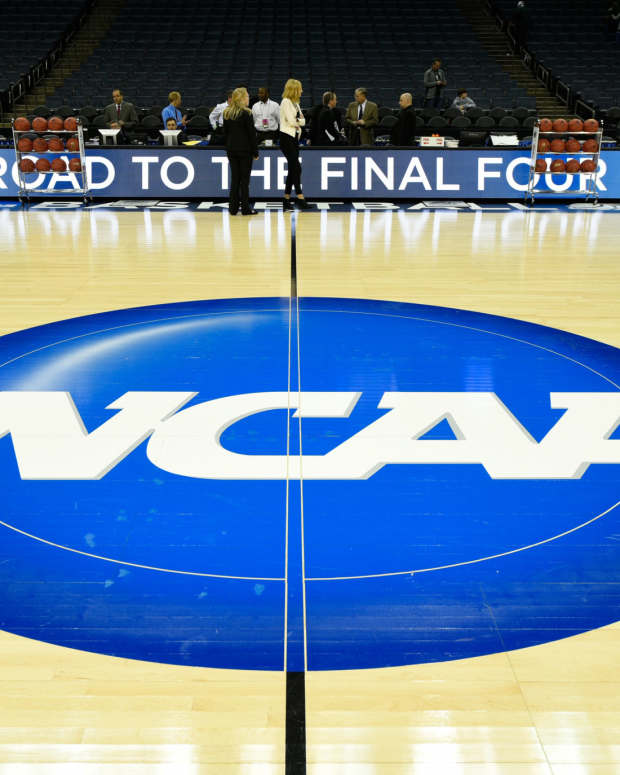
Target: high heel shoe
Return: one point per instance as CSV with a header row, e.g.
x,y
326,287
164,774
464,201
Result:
x,y
287,204
302,204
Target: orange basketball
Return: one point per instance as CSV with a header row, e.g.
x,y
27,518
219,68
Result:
x,y
70,124
39,145
590,146
558,146
75,165
43,165
588,166
590,125
572,166
24,144
546,125
572,145
541,165
72,144
560,125
26,165
557,165
39,124
55,124
22,124
55,144
575,125
59,165
544,145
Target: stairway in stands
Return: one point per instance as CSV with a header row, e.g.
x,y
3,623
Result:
x,y
81,47
496,43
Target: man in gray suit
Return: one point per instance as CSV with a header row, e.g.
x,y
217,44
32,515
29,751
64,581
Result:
x,y
120,115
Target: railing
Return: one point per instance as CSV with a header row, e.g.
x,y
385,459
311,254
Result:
x,y
38,71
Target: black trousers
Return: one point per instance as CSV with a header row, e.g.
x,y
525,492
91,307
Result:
x,y
290,148
240,169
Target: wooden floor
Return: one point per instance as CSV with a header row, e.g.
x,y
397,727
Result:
x,y
548,710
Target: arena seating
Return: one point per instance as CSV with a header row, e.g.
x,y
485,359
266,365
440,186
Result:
x,y
26,36
205,47
570,38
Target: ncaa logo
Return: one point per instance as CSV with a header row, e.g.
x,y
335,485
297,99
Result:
x,y
453,474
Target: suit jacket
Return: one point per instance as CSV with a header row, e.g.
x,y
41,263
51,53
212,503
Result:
x,y
329,123
129,117
240,135
403,130
370,117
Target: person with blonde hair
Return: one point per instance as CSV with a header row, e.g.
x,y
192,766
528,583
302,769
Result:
x,y
173,111
241,149
291,122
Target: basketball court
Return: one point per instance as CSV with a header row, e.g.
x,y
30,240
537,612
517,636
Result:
x,y
356,509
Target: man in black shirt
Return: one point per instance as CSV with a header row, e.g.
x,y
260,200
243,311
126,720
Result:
x,y
330,122
403,130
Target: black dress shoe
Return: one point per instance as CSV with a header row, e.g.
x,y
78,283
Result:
x,y
233,212
302,204
250,212
287,204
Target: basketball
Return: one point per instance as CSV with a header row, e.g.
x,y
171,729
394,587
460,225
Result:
x,y
55,144
43,165
26,165
39,124
572,166
560,125
590,125
557,165
546,125
75,165
24,144
557,145
70,124
572,145
39,145
588,166
72,144
541,165
544,146
590,146
55,124
575,125
21,124
59,165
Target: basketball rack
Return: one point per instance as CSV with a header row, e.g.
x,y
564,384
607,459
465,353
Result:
x,y
25,190
591,178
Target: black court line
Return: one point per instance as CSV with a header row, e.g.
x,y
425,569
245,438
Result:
x,y
295,742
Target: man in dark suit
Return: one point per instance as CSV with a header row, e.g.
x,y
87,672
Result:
x,y
120,115
403,131
329,130
360,118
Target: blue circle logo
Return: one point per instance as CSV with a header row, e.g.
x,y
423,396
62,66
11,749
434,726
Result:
x,y
335,484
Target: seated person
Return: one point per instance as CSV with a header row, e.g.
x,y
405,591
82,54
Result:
x,y
462,101
173,111
171,123
403,131
330,131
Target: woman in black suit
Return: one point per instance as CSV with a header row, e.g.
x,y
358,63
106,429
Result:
x,y
241,148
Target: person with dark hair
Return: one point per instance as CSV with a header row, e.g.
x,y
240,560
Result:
x,y
519,25
403,131
435,80
330,130
360,117
463,101
120,115
241,149
266,114
216,116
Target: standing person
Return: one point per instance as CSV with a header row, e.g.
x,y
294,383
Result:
x,y
266,115
291,122
361,116
330,122
241,148
519,24
403,131
435,80
173,110
120,115
216,118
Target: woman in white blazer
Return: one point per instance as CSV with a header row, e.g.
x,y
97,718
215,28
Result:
x,y
291,122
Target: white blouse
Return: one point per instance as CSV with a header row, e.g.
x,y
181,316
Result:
x,y
288,118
